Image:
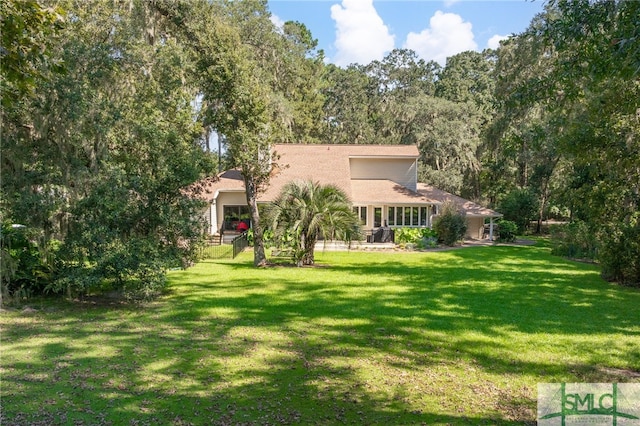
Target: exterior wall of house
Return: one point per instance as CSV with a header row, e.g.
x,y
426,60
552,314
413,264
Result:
x,y
400,170
475,227
206,215
217,207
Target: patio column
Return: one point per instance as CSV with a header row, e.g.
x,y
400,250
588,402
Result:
x,y
213,215
491,228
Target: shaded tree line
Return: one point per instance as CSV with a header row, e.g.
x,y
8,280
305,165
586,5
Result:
x,y
567,129
98,142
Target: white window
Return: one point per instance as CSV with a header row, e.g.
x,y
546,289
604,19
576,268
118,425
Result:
x,y
377,217
408,216
361,211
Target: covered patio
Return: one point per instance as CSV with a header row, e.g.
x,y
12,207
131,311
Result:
x,y
480,220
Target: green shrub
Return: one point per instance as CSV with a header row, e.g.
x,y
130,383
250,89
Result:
x,y
619,253
450,225
558,213
428,242
575,240
616,247
405,235
412,235
519,206
419,238
507,231
135,269
25,268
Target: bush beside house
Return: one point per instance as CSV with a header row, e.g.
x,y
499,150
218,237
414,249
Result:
x,y
419,238
450,225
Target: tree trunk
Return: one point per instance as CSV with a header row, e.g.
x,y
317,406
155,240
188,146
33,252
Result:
x,y
259,256
544,198
543,203
308,257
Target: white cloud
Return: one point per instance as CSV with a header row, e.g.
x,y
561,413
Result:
x,y
494,42
277,21
446,36
361,35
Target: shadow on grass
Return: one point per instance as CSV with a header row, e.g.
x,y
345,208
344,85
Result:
x,y
460,337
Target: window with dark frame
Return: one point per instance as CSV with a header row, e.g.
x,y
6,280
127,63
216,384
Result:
x,y
407,216
233,215
361,211
391,216
377,217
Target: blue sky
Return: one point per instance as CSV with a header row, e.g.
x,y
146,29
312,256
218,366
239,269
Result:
x,y
360,31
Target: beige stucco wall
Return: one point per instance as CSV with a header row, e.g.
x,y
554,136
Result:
x,y
224,199
475,227
401,171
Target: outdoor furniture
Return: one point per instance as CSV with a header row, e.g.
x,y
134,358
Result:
x,y
486,232
381,235
284,253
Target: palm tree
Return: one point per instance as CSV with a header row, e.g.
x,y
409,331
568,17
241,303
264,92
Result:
x,y
310,210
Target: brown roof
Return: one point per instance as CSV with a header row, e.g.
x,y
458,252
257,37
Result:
x,y
230,180
327,164
383,191
469,207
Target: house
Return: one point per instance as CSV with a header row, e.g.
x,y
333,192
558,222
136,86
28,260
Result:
x,y
475,214
380,180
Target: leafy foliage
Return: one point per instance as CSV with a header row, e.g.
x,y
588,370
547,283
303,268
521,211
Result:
x,y
106,108
418,237
448,137
519,206
257,84
468,78
99,155
25,267
575,240
508,230
348,105
619,252
403,99
616,247
28,32
571,83
450,225
307,211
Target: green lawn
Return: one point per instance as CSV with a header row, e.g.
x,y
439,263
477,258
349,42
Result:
x,y
455,337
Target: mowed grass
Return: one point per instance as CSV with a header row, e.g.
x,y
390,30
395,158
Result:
x,y
454,337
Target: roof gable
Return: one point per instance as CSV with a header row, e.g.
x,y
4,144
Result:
x,y
327,164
